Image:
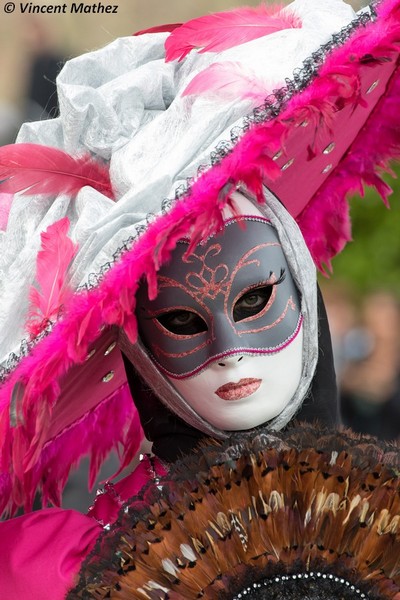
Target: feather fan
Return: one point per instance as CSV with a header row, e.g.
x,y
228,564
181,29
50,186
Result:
x,y
36,169
224,30
53,260
305,513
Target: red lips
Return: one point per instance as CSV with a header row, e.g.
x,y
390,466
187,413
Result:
x,y
241,389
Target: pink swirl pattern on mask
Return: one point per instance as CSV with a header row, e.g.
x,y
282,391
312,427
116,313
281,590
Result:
x,y
209,282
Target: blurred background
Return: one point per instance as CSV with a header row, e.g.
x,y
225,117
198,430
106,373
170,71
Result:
x,y
362,296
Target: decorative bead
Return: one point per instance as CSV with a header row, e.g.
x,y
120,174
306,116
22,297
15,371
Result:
x,y
327,168
277,155
372,86
287,165
108,376
91,353
110,348
329,148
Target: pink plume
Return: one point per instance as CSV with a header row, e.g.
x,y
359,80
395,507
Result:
x,y
224,30
230,80
158,29
36,169
53,260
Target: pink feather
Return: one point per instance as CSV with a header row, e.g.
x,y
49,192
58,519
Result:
x,y
230,81
224,30
53,260
36,169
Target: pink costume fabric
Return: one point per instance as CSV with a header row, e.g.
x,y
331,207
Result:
x,y
42,552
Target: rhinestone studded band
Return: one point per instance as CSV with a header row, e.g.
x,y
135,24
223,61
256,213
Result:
x,y
282,578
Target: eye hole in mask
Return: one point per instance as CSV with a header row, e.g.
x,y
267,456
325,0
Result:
x,y
253,301
182,322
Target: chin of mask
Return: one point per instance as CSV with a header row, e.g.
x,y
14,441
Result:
x,y
241,391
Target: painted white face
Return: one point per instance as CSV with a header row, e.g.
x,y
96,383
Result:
x,y
226,326
241,392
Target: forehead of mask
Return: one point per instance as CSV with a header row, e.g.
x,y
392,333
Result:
x,y
233,295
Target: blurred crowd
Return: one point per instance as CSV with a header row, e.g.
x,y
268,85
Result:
x,y
39,98
366,342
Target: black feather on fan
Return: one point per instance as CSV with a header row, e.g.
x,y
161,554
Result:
x,y
306,514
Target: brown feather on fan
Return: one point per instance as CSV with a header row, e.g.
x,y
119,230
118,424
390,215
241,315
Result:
x,y
308,513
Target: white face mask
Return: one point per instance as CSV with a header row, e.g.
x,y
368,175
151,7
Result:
x,y
226,326
241,392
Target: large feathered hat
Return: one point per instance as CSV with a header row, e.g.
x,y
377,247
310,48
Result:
x,y
155,134
305,514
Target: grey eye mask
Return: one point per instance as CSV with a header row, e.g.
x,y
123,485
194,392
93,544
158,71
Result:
x,y
233,295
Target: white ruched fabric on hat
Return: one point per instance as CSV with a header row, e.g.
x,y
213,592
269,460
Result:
x,y
122,103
